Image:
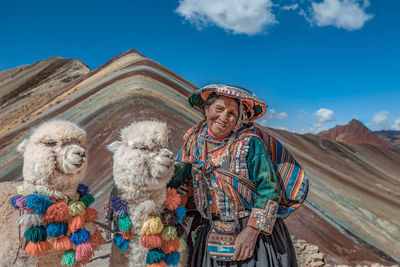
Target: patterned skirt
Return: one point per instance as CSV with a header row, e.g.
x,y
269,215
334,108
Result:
x,y
275,250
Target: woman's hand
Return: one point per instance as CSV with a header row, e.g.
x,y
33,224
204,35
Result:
x,y
245,244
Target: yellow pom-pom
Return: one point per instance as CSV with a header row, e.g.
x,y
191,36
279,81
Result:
x,y
20,190
152,226
182,245
76,208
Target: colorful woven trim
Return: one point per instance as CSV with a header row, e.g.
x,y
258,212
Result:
x,y
162,235
255,107
68,226
264,219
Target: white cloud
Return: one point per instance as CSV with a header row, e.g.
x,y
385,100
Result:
x,y
239,16
346,14
324,115
380,120
272,114
396,125
290,7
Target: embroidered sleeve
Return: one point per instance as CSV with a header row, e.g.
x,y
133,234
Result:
x,y
261,171
264,219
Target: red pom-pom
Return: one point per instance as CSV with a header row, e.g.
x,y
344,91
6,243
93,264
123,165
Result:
x,y
96,239
151,241
57,212
91,214
76,222
38,248
170,246
62,243
173,199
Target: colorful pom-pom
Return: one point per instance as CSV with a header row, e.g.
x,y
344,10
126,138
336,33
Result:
x,y
151,241
38,203
13,201
170,246
82,190
58,212
155,256
56,229
28,220
62,243
21,203
152,226
169,233
119,206
91,214
38,248
173,199
182,245
173,259
88,199
36,234
75,223
124,223
180,230
79,237
20,190
169,217
120,242
76,208
181,212
158,264
83,252
68,258
126,235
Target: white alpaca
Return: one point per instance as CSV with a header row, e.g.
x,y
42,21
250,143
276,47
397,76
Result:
x,y
142,167
54,161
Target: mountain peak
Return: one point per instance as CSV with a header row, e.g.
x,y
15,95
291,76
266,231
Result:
x,y
354,132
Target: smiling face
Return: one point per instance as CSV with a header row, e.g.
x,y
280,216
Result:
x,y
222,116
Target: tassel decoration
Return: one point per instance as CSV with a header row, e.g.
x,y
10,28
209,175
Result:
x,y
36,234
173,199
38,203
87,199
56,229
75,223
90,214
155,256
39,248
57,212
29,219
119,206
21,203
83,251
182,245
124,223
170,246
62,243
181,212
173,259
120,242
152,226
169,217
76,208
151,241
79,237
68,258
13,201
82,190
169,233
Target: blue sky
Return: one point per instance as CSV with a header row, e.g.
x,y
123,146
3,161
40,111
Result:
x,y
316,63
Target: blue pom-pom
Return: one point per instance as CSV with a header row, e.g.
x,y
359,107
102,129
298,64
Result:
x,y
56,229
119,206
181,212
80,236
155,255
121,242
82,190
173,259
13,201
38,203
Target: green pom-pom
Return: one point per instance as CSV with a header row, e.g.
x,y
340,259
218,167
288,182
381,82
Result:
x,y
155,256
69,258
88,199
124,223
169,233
36,234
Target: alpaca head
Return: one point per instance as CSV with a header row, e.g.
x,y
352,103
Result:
x,y
55,151
141,153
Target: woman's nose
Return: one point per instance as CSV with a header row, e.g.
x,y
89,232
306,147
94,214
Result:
x,y
224,116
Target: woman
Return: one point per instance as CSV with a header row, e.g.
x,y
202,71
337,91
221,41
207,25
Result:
x,y
225,163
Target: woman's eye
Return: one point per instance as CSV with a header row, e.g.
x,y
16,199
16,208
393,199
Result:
x,y
51,143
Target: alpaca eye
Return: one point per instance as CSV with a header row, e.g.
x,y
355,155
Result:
x,y
51,143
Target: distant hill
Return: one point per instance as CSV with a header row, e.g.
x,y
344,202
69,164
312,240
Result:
x,y
355,188
354,133
390,136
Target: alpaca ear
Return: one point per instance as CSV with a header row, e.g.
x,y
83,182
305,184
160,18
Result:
x,y
114,146
21,147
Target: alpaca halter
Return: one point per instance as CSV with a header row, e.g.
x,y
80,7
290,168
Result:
x,y
69,225
160,234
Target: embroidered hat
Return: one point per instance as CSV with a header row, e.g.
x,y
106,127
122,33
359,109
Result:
x,y
255,108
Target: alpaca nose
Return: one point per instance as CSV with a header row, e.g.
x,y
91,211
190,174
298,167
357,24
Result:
x,y
81,153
